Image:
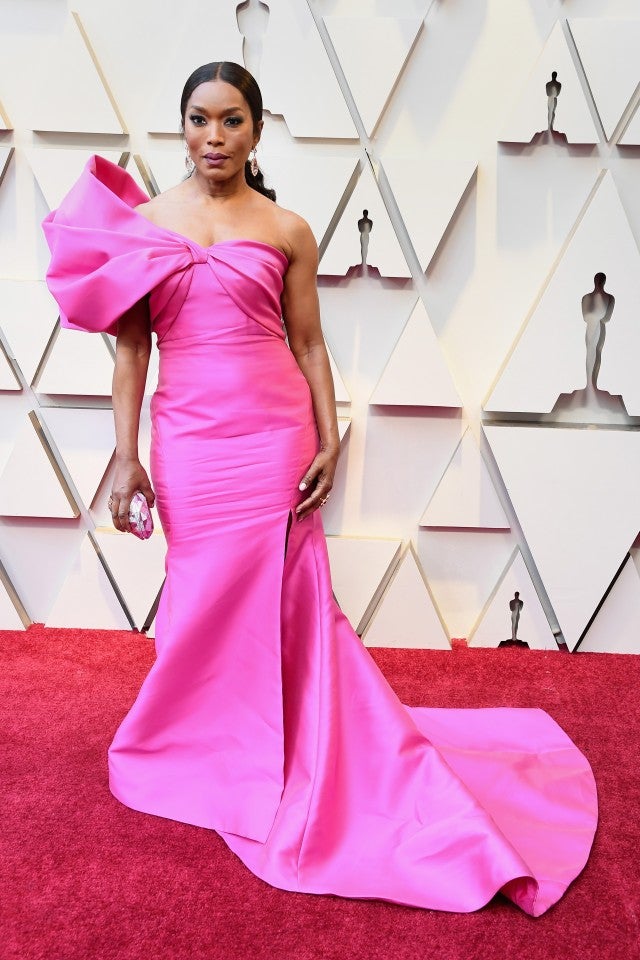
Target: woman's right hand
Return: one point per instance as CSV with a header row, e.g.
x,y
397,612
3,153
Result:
x,y
129,476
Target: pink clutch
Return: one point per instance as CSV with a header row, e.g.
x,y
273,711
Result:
x,y
140,519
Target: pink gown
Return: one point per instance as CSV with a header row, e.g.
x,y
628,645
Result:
x,y
264,717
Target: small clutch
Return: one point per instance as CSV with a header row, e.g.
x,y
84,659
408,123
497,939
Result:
x,y
140,519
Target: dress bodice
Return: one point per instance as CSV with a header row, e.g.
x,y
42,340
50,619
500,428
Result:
x,y
106,257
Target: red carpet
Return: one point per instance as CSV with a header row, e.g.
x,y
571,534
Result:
x,y
84,878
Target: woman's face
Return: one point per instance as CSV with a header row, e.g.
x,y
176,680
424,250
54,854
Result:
x,y
219,130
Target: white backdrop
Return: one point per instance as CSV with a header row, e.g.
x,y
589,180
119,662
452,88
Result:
x,y
476,462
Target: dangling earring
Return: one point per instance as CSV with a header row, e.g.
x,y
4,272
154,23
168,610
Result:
x,y
253,163
188,162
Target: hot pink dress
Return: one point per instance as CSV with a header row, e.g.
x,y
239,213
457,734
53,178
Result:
x,y
264,717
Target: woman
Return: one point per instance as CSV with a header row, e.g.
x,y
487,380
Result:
x,y
216,204
263,716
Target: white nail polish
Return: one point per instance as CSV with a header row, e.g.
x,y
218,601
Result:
x,y
302,486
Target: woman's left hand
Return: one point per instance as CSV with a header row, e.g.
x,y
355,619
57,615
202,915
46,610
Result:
x,y
318,480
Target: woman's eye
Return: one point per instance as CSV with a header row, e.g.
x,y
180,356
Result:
x,y
197,119
234,121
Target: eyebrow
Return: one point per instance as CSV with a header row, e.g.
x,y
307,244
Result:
x,y
237,109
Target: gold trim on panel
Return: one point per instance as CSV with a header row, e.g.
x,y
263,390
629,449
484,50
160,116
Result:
x,y
40,430
5,165
5,118
13,596
147,176
99,71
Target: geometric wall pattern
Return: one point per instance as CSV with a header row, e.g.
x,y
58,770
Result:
x,y
618,617
406,615
465,204
357,42
465,497
553,341
529,116
574,492
532,627
601,42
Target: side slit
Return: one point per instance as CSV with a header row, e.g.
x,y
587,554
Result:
x,y
286,536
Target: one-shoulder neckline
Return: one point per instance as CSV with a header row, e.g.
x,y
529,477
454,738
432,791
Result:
x,y
211,246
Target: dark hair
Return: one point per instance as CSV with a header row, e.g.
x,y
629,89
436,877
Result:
x,y
243,81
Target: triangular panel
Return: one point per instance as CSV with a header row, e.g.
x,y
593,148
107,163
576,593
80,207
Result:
x,y
339,386
8,378
343,427
428,192
465,496
406,615
575,493
345,249
307,93
358,566
56,170
85,440
416,373
138,171
87,599
14,408
549,359
530,114
631,136
462,568
495,623
350,308
5,123
77,99
10,619
608,51
6,154
161,169
125,557
79,364
363,41
395,462
616,628
31,484
27,318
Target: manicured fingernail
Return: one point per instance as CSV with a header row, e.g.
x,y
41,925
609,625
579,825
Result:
x,y
302,485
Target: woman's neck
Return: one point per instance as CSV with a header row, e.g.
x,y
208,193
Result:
x,y
209,190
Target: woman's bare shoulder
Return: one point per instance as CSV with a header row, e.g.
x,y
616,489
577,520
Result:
x,y
155,208
296,231
290,221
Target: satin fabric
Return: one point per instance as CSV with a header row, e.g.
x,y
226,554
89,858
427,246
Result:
x,y
263,717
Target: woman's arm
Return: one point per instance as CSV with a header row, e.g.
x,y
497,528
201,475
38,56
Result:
x,y
133,348
301,314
